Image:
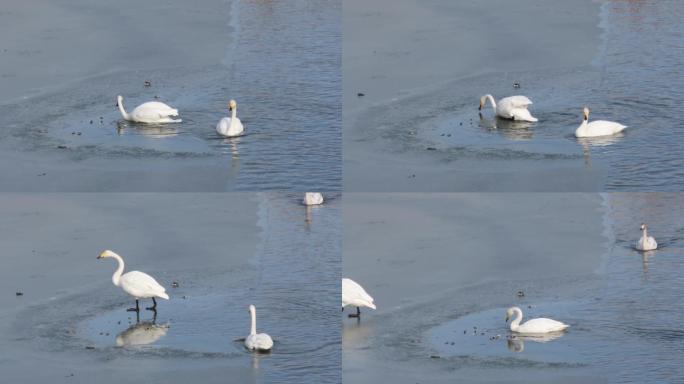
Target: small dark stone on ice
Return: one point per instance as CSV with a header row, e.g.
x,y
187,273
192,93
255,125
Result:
x,y
91,121
118,322
521,294
448,134
360,94
20,293
464,332
442,134
184,297
73,133
516,85
452,343
89,347
461,123
431,148
435,357
148,83
107,334
529,307
174,284
62,146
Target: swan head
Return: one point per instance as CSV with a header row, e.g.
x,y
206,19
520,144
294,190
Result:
x,y
232,105
643,226
586,113
252,308
106,253
510,312
482,102
119,100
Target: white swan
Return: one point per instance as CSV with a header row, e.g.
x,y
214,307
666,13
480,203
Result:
x,y
150,112
533,326
230,126
137,284
259,342
513,107
313,198
646,242
598,127
353,294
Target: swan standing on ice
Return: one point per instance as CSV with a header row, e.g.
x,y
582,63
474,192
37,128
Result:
x,y
150,112
598,127
259,342
534,326
646,242
230,126
353,294
137,284
313,198
513,107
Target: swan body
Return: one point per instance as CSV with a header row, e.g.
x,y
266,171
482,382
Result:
x,y
646,242
150,112
230,126
313,198
137,284
353,294
539,325
598,127
259,342
512,107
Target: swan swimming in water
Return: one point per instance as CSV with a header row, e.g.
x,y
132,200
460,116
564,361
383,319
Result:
x,y
353,294
259,342
598,127
646,242
512,107
137,284
230,126
150,112
313,198
533,326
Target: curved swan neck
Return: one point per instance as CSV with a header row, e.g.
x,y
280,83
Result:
x,y
645,233
121,108
252,313
116,277
491,100
517,318
233,113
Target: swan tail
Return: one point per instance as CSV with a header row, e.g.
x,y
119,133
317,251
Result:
x,y
371,305
163,295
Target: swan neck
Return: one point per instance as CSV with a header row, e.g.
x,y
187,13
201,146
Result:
x,y
233,113
252,330
116,277
517,319
645,234
121,109
491,100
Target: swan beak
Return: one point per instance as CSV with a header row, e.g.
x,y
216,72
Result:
x,y
100,256
507,319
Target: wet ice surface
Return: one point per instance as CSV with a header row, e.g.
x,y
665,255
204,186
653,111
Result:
x,y
625,319
293,279
636,87
484,336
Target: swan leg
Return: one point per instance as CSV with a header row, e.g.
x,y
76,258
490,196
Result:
x,y
357,314
136,309
154,307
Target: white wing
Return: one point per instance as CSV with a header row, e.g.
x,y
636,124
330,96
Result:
x,y
140,284
354,294
518,101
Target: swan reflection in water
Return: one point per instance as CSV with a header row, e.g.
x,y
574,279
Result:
x,y
142,333
600,141
511,129
155,131
516,343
